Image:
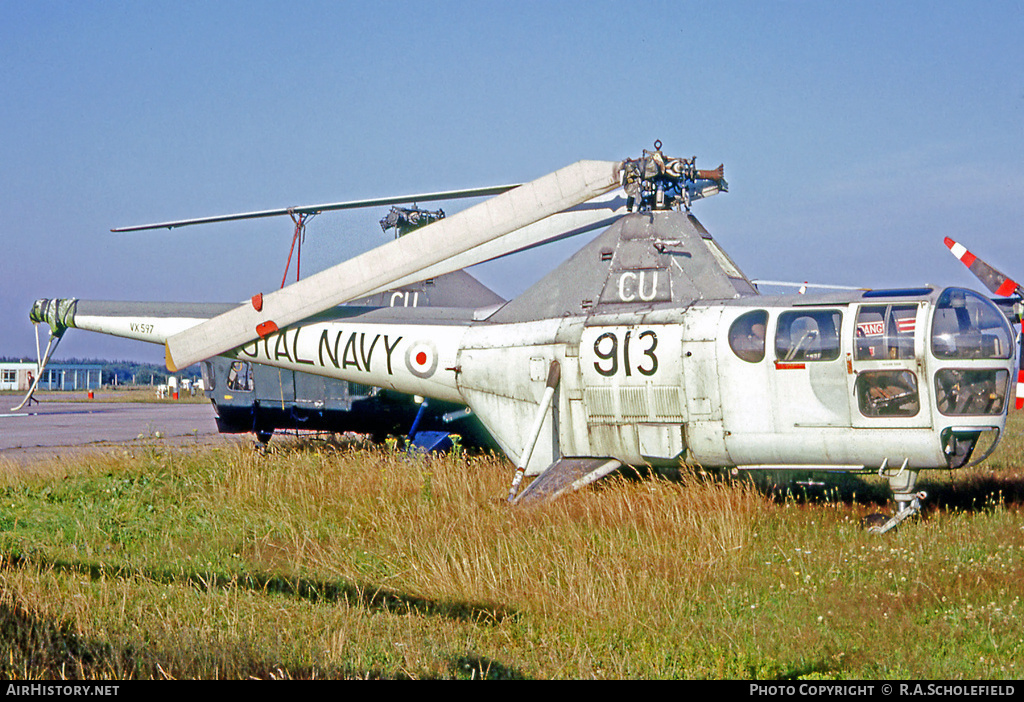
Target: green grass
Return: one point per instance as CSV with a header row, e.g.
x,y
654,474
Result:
x,y
326,560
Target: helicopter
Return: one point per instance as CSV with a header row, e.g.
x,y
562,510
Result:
x,y
647,347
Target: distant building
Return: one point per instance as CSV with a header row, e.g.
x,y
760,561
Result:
x,y
18,375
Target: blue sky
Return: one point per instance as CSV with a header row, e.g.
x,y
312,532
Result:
x,y
855,136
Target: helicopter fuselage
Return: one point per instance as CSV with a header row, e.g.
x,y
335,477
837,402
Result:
x,y
840,381
837,381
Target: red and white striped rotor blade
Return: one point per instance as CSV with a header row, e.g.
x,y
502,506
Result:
x,y
997,283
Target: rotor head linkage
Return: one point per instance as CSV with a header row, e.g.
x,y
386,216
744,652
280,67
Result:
x,y
300,218
655,182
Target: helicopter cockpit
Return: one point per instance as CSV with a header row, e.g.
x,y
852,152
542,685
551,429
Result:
x,y
935,362
968,328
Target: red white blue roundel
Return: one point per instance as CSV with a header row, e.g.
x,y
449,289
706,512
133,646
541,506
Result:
x,y
421,359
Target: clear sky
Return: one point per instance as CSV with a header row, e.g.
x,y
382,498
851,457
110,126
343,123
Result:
x,y
855,135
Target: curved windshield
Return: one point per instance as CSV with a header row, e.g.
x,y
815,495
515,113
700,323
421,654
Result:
x,y
968,325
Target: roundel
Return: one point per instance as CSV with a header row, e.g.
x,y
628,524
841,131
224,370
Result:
x,y
421,359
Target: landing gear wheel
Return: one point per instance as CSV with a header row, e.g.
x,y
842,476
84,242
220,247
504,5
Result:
x,y
875,521
262,439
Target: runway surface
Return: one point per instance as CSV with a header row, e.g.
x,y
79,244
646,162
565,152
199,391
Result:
x,y
55,428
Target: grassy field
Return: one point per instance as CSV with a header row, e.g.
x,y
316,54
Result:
x,y
329,560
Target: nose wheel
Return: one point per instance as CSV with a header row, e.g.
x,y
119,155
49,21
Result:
x,y
908,501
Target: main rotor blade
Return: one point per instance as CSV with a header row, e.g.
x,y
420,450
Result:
x,y
314,209
997,283
601,212
380,267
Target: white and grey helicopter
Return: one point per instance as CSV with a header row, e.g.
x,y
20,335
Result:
x,y
648,347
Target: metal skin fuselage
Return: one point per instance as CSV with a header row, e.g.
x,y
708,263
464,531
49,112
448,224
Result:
x,y
252,397
668,387
667,354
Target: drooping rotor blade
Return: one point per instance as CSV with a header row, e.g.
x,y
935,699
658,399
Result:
x,y
997,283
598,213
428,246
314,209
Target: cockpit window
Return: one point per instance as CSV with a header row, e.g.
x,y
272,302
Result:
x,y
808,335
969,326
240,377
888,393
961,391
746,335
885,332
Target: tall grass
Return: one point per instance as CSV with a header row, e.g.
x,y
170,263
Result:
x,y
335,560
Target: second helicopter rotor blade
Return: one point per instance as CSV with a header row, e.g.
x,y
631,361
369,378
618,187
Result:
x,y
997,283
327,207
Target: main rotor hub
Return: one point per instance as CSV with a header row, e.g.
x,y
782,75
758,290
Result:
x,y
405,219
656,182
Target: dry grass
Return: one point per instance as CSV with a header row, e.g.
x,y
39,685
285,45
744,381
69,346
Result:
x,y
334,560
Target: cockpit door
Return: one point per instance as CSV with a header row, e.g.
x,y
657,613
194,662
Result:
x,y
809,374
888,385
